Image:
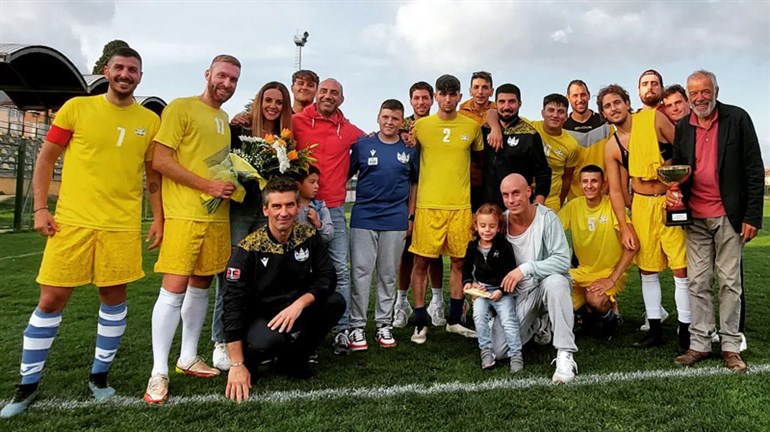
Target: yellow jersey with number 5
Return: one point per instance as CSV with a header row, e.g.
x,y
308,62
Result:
x,y
200,135
105,149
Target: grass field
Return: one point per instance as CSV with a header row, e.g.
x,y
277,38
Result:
x,y
438,386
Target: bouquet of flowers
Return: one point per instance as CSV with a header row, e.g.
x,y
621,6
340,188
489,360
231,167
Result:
x,y
274,155
235,170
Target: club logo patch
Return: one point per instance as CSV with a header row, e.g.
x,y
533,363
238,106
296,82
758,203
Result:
x,y
513,141
402,157
140,131
301,254
465,138
233,274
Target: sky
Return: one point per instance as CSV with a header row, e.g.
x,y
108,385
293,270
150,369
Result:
x,y
378,49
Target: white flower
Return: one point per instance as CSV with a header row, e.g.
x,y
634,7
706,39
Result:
x,y
283,159
250,139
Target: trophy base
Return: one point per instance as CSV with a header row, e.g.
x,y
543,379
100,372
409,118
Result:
x,y
679,217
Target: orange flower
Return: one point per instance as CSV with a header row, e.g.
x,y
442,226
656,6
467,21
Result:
x,y
286,133
292,155
281,142
270,139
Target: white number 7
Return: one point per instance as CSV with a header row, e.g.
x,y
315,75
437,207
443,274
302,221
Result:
x,y
121,135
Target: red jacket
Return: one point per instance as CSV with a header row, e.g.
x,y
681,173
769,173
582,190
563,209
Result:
x,y
335,136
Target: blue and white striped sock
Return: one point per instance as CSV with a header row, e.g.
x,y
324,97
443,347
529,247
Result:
x,y
112,325
38,338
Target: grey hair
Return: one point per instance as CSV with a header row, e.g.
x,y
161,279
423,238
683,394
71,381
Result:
x,y
700,73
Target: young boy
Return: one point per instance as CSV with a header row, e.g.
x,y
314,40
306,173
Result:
x,y
312,211
385,197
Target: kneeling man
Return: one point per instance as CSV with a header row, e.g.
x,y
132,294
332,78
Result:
x,y
280,298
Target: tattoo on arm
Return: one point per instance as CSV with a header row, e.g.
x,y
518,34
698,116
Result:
x,y
153,187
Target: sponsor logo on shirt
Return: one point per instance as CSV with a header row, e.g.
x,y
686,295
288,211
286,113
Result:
x,y
301,254
264,261
233,274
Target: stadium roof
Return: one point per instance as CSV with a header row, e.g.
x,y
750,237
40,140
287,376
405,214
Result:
x,y
37,77
96,84
153,103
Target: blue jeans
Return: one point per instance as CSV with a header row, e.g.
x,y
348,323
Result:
x,y
338,252
244,218
505,308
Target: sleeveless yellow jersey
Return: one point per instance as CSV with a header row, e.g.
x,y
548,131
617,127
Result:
x,y
562,152
201,137
595,233
445,158
106,146
593,155
643,152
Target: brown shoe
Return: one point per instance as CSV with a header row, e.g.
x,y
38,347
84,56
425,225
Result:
x,y
691,357
733,361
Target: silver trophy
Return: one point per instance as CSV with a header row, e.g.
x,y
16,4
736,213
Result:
x,y
673,175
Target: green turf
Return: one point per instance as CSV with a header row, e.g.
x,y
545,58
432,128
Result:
x,y
714,403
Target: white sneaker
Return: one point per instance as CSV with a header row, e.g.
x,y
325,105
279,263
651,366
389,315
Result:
x,y
663,318
342,342
566,368
419,337
385,337
220,359
744,345
358,340
459,329
543,333
436,314
401,314
157,389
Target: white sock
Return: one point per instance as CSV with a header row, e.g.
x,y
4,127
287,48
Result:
x,y
196,302
651,295
682,298
165,319
401,297
438,296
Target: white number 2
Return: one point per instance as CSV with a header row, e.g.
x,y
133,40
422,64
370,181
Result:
x,y
220,125
447,131
121,135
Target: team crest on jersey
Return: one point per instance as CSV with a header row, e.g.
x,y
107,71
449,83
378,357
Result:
x,y
513,141
559,152
402,157
301,254
233,274
140,131
465,138
496,254
264,261
603,219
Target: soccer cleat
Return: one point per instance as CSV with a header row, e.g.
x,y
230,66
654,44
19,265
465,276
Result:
x,y
342,342
744,344
401,314
420,336
566,368
733,361
691,357
197,368
646,325
436,314
23,398
543,333
220,359
459,329
97,383
517,363
157,389
487,358
358,340
385,337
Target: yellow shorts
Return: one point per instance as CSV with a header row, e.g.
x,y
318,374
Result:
x,y
552,202
659,246
441,232
194,248
582,279
77,256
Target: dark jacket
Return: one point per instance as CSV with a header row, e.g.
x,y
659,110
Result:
x,y
522,153
739,164
492,269
263,276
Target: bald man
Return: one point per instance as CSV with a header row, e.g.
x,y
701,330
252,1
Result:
x,y
542,280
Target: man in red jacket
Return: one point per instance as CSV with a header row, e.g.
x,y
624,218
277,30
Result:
x,y
324,124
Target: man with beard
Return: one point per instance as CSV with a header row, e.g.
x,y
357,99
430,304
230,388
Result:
x,y
724,194
193,137
675,102
649,133
522,150
324,124
651,91
107,139
588,128
476,108
421,99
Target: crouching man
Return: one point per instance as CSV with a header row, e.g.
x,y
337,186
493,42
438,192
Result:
x,y
280,298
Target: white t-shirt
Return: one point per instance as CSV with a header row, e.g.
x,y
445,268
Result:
x,y
526,248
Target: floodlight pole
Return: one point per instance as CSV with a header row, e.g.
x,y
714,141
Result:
x,y
299,41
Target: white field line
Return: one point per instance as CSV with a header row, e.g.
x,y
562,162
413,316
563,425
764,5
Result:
x,y
21,256
402,390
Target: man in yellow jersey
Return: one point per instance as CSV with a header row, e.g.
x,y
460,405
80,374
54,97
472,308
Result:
x,y
443,218
601,275
561,149
651,90
194,136
476,109
95,234
642,144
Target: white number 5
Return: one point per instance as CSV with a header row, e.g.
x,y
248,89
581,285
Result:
x,y
121,135
447,131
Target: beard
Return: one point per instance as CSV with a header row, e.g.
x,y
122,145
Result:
x,y
651,99
507,116
213,93
704,111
